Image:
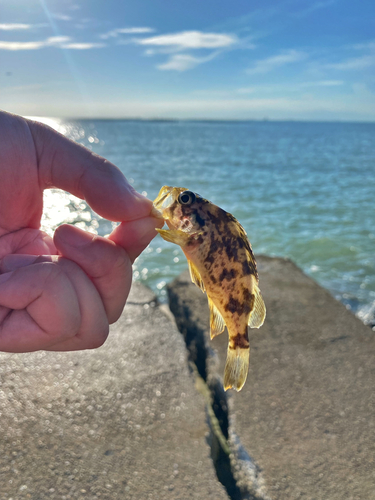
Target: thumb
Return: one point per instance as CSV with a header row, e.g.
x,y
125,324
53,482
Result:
x,y
67,165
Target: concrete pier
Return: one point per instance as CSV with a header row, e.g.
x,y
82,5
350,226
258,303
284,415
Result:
x,y
306,415
123,421
145,415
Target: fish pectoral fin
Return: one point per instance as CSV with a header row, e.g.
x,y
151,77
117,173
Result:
x,y
258,314
196,277
217,323
174,236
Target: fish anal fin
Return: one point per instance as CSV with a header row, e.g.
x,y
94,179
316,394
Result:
x,y
195,276
217,323
174,236
236,368
258,313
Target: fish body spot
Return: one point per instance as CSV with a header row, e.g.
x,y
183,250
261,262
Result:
x,y
200,220
210,259
213,279
231,248
247,308
234,306
249,298
240,340
228,275
246,269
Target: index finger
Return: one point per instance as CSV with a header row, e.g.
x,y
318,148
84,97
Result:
x,y
67,165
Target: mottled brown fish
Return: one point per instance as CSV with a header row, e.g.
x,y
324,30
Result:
x,y
221,264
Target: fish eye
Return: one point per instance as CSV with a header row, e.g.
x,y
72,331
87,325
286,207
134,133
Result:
x,y
186,198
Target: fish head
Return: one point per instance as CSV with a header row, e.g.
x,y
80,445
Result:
x,y
181,209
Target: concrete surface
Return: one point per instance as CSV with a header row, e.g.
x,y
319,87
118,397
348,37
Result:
x,y
307,412
123,421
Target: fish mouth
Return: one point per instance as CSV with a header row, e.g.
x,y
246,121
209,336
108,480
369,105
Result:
x,y
165,198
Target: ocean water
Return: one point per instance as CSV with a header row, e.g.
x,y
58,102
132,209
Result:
x,y
301,190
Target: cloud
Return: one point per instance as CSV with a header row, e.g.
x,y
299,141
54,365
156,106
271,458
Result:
x,y
183,62
180,62
126,31
62,17
21,45
63,42
313,7
56,40
14,26
186,41
324,83
365,46
271,63
190,40
82,46
356,63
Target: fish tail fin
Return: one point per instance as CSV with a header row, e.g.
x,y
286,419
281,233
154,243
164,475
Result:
x,y
236,368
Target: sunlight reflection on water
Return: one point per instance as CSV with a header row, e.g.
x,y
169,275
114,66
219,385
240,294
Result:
x,y
61,207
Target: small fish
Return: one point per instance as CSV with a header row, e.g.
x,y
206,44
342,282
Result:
x,y
222,264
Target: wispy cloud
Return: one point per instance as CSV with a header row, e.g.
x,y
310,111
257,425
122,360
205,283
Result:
x,y
365,46
61,17
63,42
82,46
186,41
323,83
126,31
180,62
190,40
14,26
355,63
183,62
313,7
271,63
22,45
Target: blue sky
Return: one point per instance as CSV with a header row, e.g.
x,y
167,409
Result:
x,y
215,59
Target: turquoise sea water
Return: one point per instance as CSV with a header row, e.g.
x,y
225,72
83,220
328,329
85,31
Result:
x,y
301,190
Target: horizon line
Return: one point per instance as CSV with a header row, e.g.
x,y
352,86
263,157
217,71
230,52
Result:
x,y
217,120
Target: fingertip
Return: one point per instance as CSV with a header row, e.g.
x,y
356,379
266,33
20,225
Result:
x,y
67,234
70,166
136,205
134,236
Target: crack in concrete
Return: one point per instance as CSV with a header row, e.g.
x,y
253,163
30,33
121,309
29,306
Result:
x,y
235,468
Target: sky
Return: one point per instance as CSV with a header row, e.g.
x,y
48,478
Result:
x,y
199,59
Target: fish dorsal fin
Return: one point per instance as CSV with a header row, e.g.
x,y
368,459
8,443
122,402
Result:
x,y
258,313
217,323
196,277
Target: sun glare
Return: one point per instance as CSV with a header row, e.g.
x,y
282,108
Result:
x,y
54,123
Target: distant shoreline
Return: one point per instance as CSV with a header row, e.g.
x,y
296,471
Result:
x,y
204,120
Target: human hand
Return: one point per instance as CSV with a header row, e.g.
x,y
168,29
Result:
x,y
62,293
